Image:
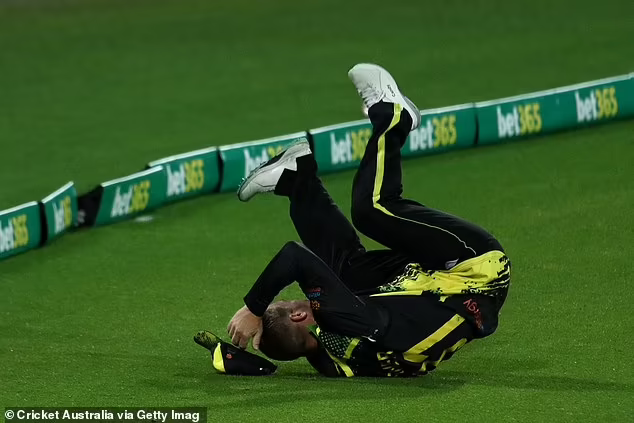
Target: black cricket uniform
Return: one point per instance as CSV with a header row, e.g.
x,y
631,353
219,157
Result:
x,y
394,312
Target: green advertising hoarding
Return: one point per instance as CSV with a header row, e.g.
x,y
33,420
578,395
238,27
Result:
x,y
440,130
554,110
190,174
340,147
20,229
240,159
129,196
598,101
60,211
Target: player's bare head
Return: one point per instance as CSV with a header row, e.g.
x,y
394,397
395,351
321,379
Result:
x,y
285,334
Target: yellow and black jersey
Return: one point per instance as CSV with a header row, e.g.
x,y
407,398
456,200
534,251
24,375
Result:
x,y
342,356
404,327
372,322
488,274
432,315
475,288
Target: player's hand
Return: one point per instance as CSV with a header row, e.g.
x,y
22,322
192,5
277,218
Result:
x,y
243,326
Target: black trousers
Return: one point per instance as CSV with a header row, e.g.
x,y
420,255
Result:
x,y
411,231
333,268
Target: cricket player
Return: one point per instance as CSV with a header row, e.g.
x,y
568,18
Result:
x,y
395,312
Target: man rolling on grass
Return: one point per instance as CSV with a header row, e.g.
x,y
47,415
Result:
x,y
394,312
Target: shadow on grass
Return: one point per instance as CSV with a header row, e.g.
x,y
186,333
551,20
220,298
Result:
x,y
517,373
295,384
537,382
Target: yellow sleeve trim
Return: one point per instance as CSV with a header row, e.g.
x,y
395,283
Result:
x,y
414,354
344,367
351,348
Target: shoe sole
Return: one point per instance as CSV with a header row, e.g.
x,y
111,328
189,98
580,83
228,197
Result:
x,y
408,104
288,155
416,110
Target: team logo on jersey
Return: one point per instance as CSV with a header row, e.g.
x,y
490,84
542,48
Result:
x,y
451,263
313,293
472,306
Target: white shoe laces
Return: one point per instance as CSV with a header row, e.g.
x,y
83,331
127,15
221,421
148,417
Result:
x,y
370,95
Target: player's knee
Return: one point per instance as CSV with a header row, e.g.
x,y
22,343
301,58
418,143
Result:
x,y
292,248
291,245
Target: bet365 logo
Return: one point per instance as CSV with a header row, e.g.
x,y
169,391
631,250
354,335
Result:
x,y
351,147
63,214
435,132
135,199
523,119
14,234
252,162
599,104
186,177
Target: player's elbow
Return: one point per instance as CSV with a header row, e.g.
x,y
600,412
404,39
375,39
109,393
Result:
x,y
293,250
292,247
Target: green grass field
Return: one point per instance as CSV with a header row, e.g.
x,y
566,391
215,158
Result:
x,y
92,90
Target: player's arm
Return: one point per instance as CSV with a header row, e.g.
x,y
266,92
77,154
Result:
x,y
336,308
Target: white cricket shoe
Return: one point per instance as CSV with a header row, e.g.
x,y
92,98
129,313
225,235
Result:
x,y
375,84
264,178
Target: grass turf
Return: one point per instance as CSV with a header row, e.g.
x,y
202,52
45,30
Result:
x,y
92,90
